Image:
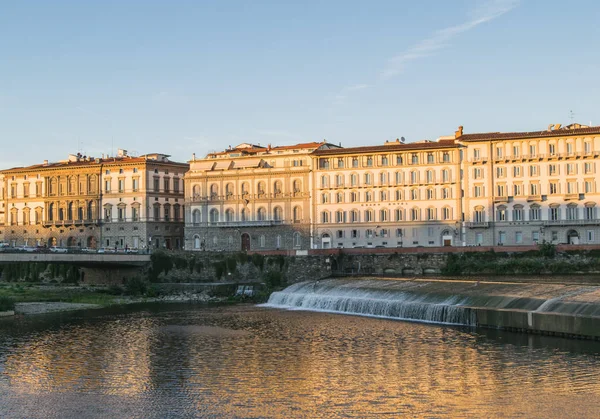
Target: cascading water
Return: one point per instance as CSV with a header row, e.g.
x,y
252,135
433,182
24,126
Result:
x,y
373,298
434,301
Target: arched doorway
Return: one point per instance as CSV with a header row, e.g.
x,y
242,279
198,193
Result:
x,y
326,241
572,237
52,242
71,242
447,238
91,242
245,242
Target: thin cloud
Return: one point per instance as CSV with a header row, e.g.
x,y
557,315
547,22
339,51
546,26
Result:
x,y
486,12
342,95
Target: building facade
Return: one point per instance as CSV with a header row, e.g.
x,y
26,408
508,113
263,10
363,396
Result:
x,y
117,202
532,187
461,190
251,198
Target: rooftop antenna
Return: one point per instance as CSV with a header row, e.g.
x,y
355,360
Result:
x,y
571,115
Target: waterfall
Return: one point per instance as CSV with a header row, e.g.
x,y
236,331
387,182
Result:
x,y
386,299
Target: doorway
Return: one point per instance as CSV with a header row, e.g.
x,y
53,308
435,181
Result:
x,y
245,242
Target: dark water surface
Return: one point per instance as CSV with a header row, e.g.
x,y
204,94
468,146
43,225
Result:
x,y
160,361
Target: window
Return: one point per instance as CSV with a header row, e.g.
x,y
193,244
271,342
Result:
x,y
431,214
262,240
516,151
121,185
479,239
354,234
501,213
534,189
383,178
354,179
552,149
533,170
261,214
590,212
136,184
156,184
369,216
588,168
478,191
477,173
429,176
554,213
399,214
383,196
501,237
414,194
107,186
552,170
446,193
446,157
353,196
135,214
368,179
414,214
445,176
518,213
339,197
429,157
535,213
569,148
384,161
214,215
476,154
519,237
324,181
590,236
339,180
297,239
446,213
277,214
369,161
571,187
340,216
399,160
535,236
354,216
325,217
414,158
499,152
517,189
430,194
414,177
553,188
354,161
383,215
325,198
571,169
324,163
368,196
517,171
500,172
532,150
572,212
500,190
340,163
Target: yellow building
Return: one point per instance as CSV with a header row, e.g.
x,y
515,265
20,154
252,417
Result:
x,y
120,201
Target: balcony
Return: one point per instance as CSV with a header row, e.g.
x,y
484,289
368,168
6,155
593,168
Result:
x,y
534,198
261,223
477,224
500,199
571,197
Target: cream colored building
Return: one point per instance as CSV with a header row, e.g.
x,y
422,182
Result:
x,y
393,195
531,187
82,201
250,197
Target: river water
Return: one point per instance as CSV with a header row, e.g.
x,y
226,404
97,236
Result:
x,y
243,361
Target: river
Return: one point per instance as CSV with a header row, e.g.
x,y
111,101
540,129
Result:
x,y
244,361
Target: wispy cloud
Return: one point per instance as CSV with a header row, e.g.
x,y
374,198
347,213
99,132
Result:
x,y
342,95
484,12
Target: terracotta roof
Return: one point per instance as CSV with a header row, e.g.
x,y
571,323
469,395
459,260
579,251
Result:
x,y
532,134
388,148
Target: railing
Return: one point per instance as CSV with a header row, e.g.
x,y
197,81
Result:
x,y
477,224
532,198
571,222
500,199
571,196
258,223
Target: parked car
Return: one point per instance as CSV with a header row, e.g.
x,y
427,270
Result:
x,y
55,249
28,249
87,250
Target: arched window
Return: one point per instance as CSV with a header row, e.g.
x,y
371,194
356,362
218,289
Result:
x,y
196,217
399,213
297,214
277,188
278,241
261,189
261,214
325,198
324,181
447,213
446,193
398,195
197,242
430,193
572,212
501,213
445,176
244,215
339,197
214,215
479,214
429,176
262,240
369,216
245,188
415,214
229,216
277,214
325,217
414,194
229,190
297,185
214,191
354,216
354,179
297,239
431,214
383,215
518,213
339,216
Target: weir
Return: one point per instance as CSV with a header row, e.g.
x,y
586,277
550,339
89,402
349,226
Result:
x,y
537,308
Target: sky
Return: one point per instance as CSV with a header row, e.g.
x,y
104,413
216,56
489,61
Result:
x,y
182,77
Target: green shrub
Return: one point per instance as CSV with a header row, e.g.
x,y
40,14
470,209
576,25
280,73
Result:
x,y
547,250
135,286
273,279
6,303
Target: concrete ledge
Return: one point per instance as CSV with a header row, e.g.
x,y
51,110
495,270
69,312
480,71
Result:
x,y
40,308
7,313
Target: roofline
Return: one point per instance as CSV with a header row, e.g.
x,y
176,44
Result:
x,y
498,136
387,148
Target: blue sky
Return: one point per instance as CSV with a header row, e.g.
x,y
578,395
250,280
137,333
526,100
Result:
x,y
194,76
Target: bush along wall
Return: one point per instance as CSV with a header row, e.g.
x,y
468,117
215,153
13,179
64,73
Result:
x,y
544,261
39,272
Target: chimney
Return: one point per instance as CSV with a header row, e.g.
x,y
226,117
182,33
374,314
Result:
x,y
459,132
45,162
193,156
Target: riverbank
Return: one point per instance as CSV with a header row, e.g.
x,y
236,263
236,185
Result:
x,y
27,299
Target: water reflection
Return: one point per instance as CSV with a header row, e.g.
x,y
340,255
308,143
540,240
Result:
x,y
243,361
